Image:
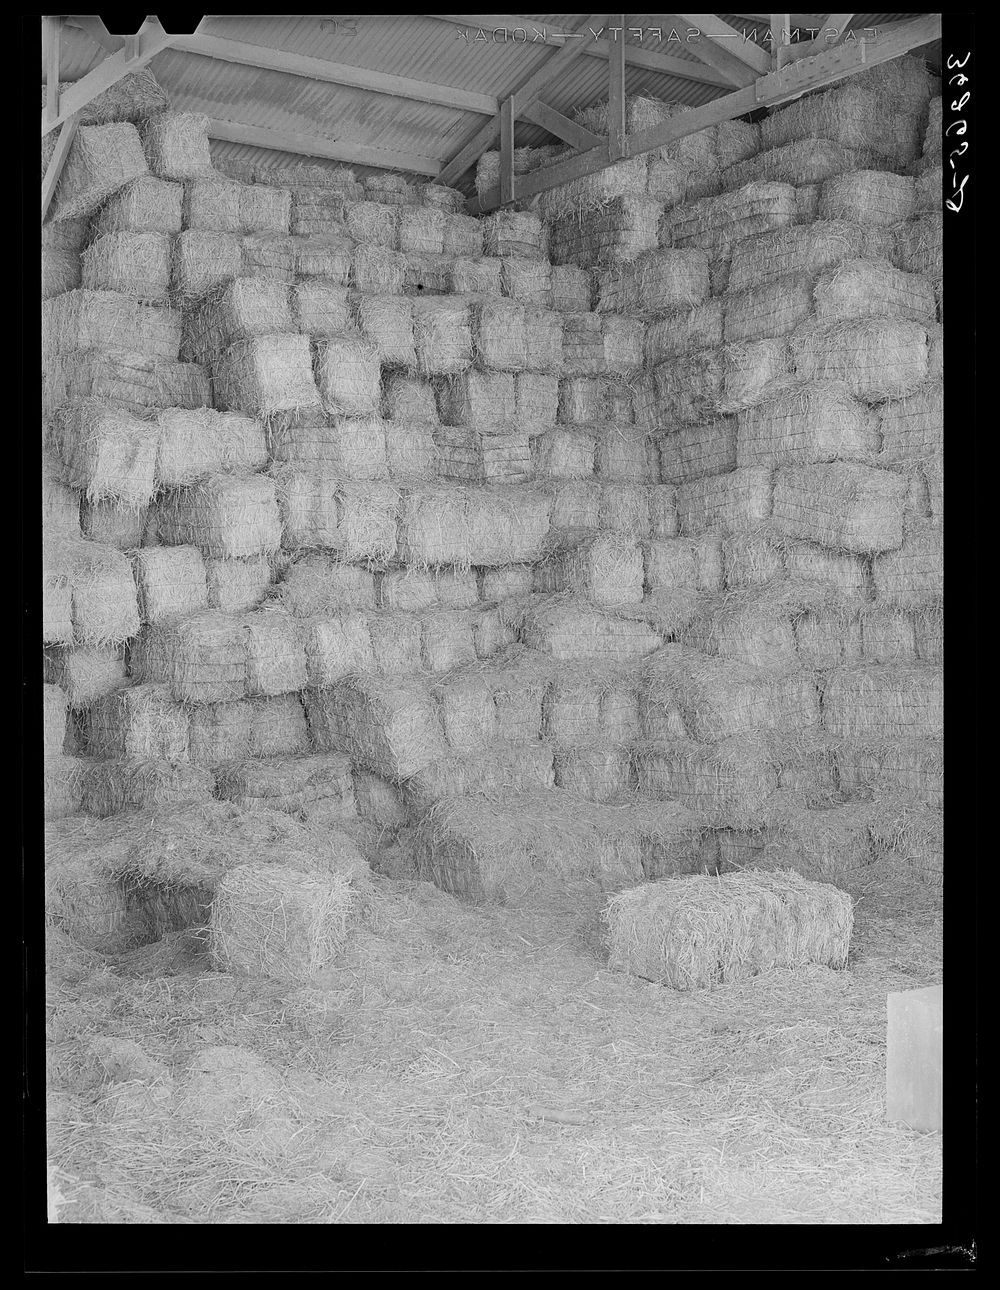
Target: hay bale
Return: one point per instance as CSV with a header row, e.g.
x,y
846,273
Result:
x,y
171,580
920,245
176,145
738,500
54,716
495,773
213,205
842,505
625,454
528,281
694,452
499,335
316,583
482,456
265,209
310,787
479,400
320,509
196,443
684,332
753,370
798,248
806,161
101,597
441,198
410,452
237,584
348,374
590,705
683,564
373,224
105,452
109,321
136,264
443,336
912,576
202,262
774,309
427,274
377,271
689,388
464,527
267,727
330,257
536,401
390,725
719,222
321,307
475,277
132,381
571,288
102,160
421,230
140,722
607,569
463,236
337,645
624,508
275,256
113,524
225,516
110,787
81,677
416,589
658,282
202,657
873,289
888,701
567,629
387,322
513,233
868,197
875,768
237,310
878,358
597,774
275,653
814,421
729,782
562,453
697,931
265,375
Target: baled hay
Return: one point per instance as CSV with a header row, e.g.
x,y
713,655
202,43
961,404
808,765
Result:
x,y
684,332
225,516
730,782
878,767
807,161
468,712
928,632
393,189
755,626
463,236
927,192
490,456
136,264
528,281
354,446
60,272
197,442
625,454
377,271
868,197
683,564
813,421
225,732
873,289
421,230
132,381
379,801
887,635
337,645
689,388
517,678
491,526
513,233
598,774
878,358
396,642
273,255
265,209
321,308
171,580
575,505
773,309
410,451
717,222
499,335
373,224
607,569
387,322
110,787
912,576
104,607
109,321
348,374
505,582
265,375
736,141
176,145
496,773
753,370
623,343
799,248
877,110
391,726
316,583
568,629
321,509
657,282
278,727
102,160
278,922
416,589
57,594
443,335
884,701
625,509
54,710
564,453
719,698
140,722
582,400
427,274
829,637
591,705
738,500
441,198
329,257
202,657
62,786
694,452
751,559
571,288
920,245
544,341
106,453
276,660
807,203
235,311
842,571
475,277
479,400
913,427
602,232
204,261
237,584
446,640
82,676
840,505
830,845
213,205
698,931
911,837
932,135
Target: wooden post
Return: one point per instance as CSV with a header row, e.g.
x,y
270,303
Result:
x,y
781,37
51,34
57,161
506,151
616,92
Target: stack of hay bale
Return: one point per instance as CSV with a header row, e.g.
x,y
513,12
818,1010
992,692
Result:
x,y
486,549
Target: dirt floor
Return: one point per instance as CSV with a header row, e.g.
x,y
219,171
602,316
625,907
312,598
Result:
x,y
472,1065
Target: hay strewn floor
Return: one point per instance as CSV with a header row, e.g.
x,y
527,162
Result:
x,y
477,1066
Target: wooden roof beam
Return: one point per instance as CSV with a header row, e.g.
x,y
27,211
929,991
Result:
x,y
314,146
321,69
561,126
725,48
635,55
97,32
54,169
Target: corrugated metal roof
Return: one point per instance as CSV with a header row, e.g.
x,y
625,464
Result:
x,y
421,47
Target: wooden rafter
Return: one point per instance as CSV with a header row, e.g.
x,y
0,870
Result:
x,y
316,146
97,32
717,37
529,90
616,93
832,32
577,136
52,36
635,55
321,69
781,37
151,39
770,90
54,169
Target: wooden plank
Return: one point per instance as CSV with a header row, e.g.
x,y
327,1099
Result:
x,y
314,146
777,87
97,32
561,126
321,69
152,40
56,162
635,55
831,33
507,151
616,92
526,93
719,35
51,37
781,36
